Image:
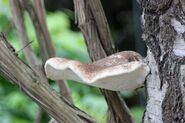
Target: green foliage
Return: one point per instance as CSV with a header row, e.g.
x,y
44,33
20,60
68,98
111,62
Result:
x,y
137,113
94,105
15,107
67,43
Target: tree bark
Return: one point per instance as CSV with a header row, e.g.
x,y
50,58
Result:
x,y
93,24
37,15
17,10
164,34
18,19
12,68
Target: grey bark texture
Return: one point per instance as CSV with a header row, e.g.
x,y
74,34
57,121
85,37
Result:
x,y
164,34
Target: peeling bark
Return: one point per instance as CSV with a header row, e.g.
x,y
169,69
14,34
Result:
x,y
164,34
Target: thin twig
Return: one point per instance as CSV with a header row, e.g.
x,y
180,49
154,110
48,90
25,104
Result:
x,y
22,75
47,50
24,47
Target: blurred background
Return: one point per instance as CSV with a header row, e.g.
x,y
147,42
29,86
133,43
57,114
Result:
x,y
124,20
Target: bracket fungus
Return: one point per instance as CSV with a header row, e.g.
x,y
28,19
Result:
x,y
121,71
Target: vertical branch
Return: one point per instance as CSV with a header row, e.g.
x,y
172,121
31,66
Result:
x,y
92,22
18,19
47,49
41,13
97,12
43,36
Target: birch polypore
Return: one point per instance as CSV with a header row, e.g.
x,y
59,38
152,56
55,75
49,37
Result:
x,y
121,71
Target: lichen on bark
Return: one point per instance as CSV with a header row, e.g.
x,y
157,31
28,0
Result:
x,y
164,36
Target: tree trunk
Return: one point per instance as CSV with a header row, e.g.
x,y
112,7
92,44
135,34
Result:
x,y
164,34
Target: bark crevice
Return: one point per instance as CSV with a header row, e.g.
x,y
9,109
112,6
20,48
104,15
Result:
x,y
163,34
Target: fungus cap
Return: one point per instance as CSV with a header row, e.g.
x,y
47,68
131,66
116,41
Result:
x,y
121,71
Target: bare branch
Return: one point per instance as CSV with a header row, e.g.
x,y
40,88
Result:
x,y
43,36
18,20
22,75
18,12
92,22
41,13
47,48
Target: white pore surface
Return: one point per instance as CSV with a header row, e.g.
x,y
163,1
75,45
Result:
x,y
121,77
